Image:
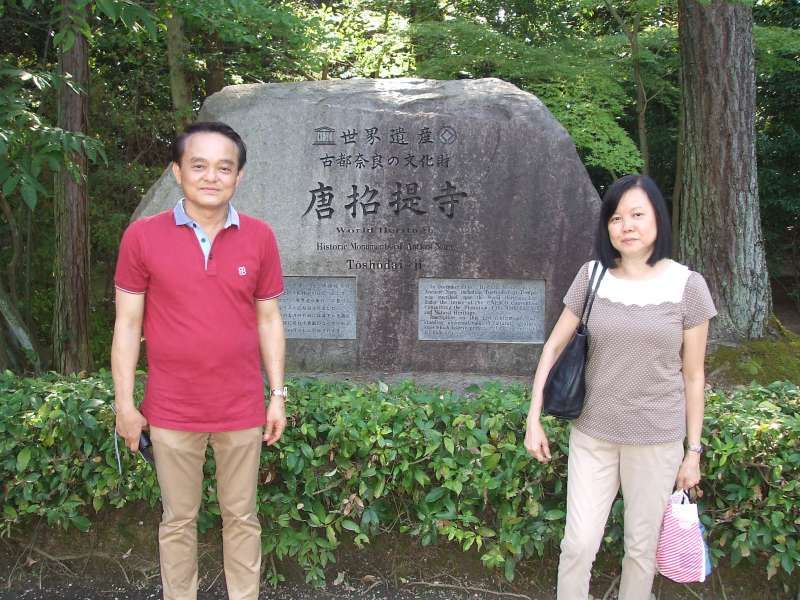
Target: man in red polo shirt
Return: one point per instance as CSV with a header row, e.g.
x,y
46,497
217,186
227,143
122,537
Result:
x,y
201,282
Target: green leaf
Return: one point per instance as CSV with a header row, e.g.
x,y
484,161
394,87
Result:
x,y
29,195
11,184
109,8
23,458
351,525
68,40
434,495
554,515
81,522
491,461
787,563
449,445
9,512
88,420
508,570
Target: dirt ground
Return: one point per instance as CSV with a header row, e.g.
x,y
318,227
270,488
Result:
x,y
785,310
117,560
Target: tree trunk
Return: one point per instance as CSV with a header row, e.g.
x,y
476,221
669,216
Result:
x,y
216,65
720,227
71,319
13,329
641,100
177,49
376,72
16,247
676,182
632,33
6,361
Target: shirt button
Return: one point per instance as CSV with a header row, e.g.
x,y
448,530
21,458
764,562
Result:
x,y
194,225
203,240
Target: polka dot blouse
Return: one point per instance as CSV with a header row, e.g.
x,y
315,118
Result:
x,y
634,384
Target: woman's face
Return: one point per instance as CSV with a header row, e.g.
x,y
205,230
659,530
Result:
x,y
632,228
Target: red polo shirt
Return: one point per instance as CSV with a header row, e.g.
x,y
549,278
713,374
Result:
x,y
204,368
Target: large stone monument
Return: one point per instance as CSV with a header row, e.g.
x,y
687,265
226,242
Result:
x,y
423,225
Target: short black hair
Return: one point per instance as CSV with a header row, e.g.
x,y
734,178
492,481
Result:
x,y
179,145
662,248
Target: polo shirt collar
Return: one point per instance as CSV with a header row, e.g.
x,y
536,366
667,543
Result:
x,y
181,218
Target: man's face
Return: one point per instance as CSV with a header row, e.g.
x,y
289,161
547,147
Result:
x,y
208,172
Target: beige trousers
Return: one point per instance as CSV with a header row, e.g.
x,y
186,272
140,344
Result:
x,y
595,472
179,458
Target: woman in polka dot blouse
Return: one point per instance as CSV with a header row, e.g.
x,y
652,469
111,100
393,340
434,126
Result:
x,y
644,388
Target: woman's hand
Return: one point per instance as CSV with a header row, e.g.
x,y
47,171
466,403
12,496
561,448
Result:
x,y
689,473
536,441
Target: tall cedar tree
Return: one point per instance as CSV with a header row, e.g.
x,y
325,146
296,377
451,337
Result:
x,y
71,312
719,220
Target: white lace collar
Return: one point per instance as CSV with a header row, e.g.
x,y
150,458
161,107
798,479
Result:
x,y
667,286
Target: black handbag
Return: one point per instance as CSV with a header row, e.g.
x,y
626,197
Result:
x,y
565,388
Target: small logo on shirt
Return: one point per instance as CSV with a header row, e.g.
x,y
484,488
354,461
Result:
x,y
242,271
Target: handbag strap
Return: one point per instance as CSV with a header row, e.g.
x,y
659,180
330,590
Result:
x,y
591,292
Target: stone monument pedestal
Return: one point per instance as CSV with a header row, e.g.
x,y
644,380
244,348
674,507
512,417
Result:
x,y
423,225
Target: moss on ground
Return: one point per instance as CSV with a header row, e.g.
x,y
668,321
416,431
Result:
x,y
775,358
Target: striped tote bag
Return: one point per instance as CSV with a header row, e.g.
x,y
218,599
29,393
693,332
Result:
x,y
682,554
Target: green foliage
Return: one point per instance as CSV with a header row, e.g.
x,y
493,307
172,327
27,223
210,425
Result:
x,y
571,78
359,40
29,147
752,500
778,127
356,461
256,41
570,53
56,454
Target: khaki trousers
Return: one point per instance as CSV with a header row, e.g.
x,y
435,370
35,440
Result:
x,y
179,458
595,472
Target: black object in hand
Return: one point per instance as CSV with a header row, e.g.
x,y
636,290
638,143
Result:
x,y
146,448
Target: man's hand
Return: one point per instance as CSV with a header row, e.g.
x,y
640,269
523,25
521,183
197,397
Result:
x,y
276,420
689,473
130,423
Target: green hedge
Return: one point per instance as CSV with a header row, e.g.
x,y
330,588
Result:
x,y
357,460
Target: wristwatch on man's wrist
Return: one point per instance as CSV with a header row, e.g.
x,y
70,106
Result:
x,y
280,392
694,448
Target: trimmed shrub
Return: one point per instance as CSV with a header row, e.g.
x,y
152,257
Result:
x,y
356,460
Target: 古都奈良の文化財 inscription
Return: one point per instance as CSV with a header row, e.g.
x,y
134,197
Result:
x,y
363,154
481,310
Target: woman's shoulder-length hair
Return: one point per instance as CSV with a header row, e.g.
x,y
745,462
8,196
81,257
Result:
x,y
606,253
